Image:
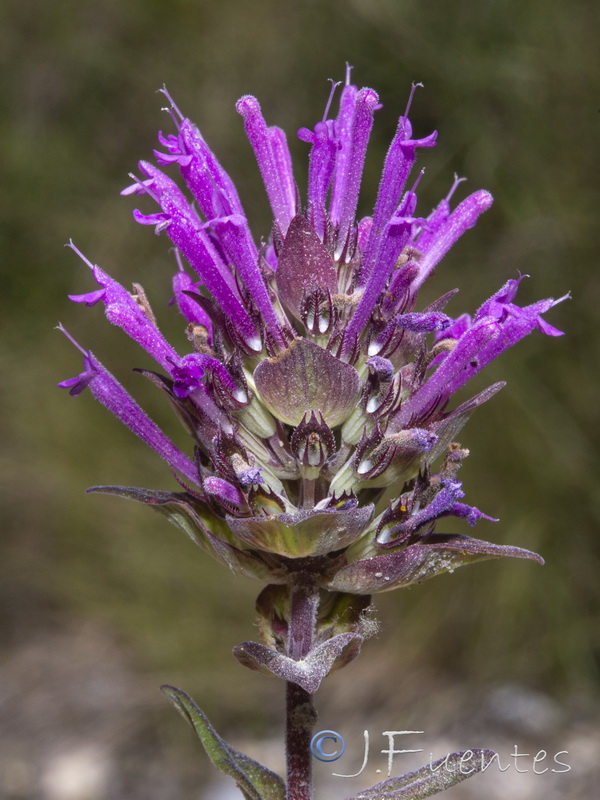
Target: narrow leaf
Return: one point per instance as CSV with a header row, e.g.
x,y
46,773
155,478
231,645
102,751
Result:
x,y
432,778
255,781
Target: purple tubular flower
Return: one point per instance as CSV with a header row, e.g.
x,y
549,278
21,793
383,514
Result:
x,y
234,234
187,378
396,237
320,170
186,232
460,326
343,133
438,216
218,200
435,247
415,321
108,391
362,231
222,490
470,513
497,337
283,162
382,367
122,309
211,186
453,369
447,497
488,337
274,161
500,306
397,295
351,167
191,369
398,163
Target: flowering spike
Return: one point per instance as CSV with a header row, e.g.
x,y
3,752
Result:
x,y
315,386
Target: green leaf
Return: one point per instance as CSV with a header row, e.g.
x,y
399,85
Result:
x,y
255,781
178,509
432,778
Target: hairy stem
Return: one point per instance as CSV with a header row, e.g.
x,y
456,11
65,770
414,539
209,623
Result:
x,y
301,717
300,712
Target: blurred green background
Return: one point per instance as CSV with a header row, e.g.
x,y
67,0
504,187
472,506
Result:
x,y
513,89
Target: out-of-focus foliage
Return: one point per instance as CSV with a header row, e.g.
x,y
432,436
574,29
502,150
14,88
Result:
x,y
512,88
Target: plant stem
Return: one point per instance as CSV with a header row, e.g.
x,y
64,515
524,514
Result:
x,y
300,713
301,717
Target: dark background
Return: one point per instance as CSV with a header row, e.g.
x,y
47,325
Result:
x,y
100,600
